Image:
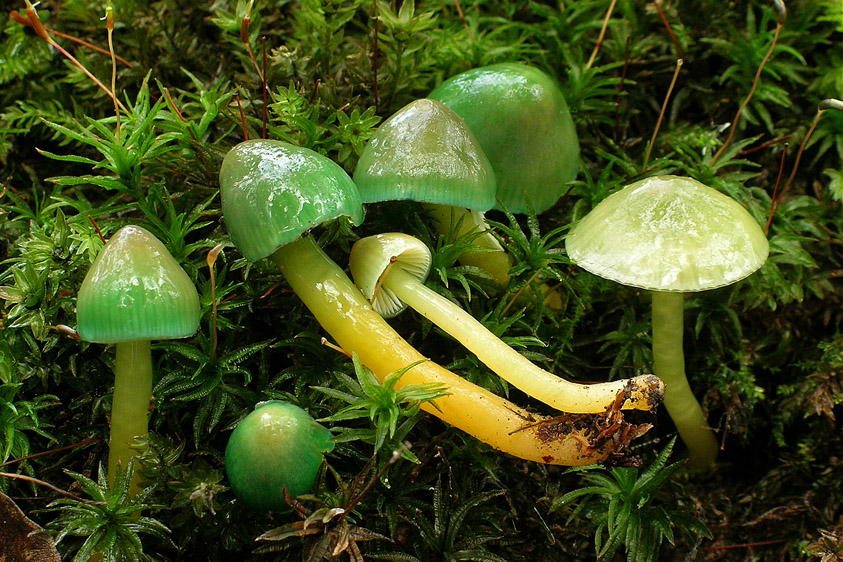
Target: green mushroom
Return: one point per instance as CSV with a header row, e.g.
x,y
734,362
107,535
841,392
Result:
x,y
272,194
671,235
134,292
521,120
426,153
276,446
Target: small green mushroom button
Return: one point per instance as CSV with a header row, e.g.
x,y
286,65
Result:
x,y
134,292
671,235
276,446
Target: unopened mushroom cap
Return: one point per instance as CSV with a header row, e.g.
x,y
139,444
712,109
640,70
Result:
x,y
373,256
273,192
669,234
425,152
520,117
135,290
276,446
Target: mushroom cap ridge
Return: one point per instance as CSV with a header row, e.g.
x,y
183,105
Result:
x,y
669,233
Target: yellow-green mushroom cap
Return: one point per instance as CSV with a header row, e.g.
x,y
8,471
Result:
x,y
521,119
273,192
669,233
426,153
373,256
135,290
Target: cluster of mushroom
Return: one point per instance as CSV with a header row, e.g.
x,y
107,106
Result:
x,y
468,146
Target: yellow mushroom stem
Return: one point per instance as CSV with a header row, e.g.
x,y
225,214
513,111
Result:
x,y
341,309
644,392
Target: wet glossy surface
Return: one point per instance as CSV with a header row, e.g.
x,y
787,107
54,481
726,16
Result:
x,y
425,152
272,192
276,445
371,259
670,234
520,117
136,290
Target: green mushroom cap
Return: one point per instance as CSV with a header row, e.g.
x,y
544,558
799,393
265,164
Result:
x,y
277,445
521,119
273,192
425,152
135,290
669,233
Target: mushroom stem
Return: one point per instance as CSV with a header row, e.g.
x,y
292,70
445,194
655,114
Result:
x,y
341,309
669,365
129,405
643,391
459,221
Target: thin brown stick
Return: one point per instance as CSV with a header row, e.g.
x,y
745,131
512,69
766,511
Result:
x,y
42,32
823,105
773,198
244,37
24,20
97,228
263,86
676,44
464,22
324,341
109,25
745,102
51,452
382,278
242,116
602,33
661,113
764,145
59,491
211,259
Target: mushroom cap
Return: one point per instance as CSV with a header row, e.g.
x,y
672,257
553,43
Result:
x,y
135,290
425,152
520,117
273,192
277,445
371,258
669,233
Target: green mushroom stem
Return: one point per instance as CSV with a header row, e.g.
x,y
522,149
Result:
x,y
669,365
130,403
513,367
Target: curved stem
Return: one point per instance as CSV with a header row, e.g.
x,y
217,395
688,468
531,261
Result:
x,y
341,309
669,365
644,393
129,406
